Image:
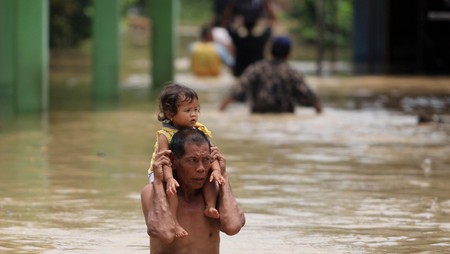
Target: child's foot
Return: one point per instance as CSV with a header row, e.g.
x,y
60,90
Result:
x,y
180,232
211,212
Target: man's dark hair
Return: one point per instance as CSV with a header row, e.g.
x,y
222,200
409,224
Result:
x,y
281,46
184,137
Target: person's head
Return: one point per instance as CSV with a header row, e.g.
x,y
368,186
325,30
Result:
x,y
281,47
191,159
206,33
179,105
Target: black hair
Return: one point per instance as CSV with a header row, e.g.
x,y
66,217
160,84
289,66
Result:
x,y
205,30
170,98
281,47
187,136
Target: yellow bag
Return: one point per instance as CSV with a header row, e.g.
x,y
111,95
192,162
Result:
x,y
205,61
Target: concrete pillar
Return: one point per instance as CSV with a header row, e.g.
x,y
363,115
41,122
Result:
x,y
164,22
7,59
32,56
106,59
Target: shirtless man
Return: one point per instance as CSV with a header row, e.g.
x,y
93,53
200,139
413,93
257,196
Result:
x,y
190,156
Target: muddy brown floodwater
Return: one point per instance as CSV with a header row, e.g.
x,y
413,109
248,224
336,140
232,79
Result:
x,y
363,177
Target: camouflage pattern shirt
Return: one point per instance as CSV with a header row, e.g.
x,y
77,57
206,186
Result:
x,y
273,87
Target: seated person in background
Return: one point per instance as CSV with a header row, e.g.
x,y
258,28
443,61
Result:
x,y
221,36
273,86
207,56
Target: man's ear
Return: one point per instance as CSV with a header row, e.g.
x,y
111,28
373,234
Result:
x,y
172,158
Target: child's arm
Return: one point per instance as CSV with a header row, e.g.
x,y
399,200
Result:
x,y
171,183
215,171
158,217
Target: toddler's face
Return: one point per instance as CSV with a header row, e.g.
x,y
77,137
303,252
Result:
x,y
187,114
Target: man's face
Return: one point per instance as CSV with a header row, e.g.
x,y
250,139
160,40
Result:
x,y
193,167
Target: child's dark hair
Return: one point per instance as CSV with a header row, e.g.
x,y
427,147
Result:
x,y
170,98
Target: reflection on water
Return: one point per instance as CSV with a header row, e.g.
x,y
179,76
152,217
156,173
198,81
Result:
x,y
352,180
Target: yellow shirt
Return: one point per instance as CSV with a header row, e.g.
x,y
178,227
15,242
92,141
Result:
x,y
168,131
205,61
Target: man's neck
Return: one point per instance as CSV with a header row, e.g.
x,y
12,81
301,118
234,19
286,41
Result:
x,y
279,60
189,195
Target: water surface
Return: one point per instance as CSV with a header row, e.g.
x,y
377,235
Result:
x,y
363,177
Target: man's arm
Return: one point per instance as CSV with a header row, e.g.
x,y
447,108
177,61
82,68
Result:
x,y
232,217
318,107
159,219
270,12
227,100
304,94
238,92
227,13
171,183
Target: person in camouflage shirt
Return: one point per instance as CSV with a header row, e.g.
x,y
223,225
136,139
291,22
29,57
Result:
x,y
273,86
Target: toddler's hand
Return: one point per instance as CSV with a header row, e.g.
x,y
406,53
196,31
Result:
x,y
171,187
217,176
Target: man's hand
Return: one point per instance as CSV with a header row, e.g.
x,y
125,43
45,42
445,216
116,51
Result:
x,y
217,156
161,159
318,107
225,103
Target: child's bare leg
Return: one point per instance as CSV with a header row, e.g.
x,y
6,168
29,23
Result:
x,y
210,192
171,191
173,203
171,183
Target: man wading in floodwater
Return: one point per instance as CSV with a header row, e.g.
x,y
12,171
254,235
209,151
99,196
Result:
x,y
190,156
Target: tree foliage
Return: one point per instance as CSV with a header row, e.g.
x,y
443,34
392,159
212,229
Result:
x,y
337,17
70,22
